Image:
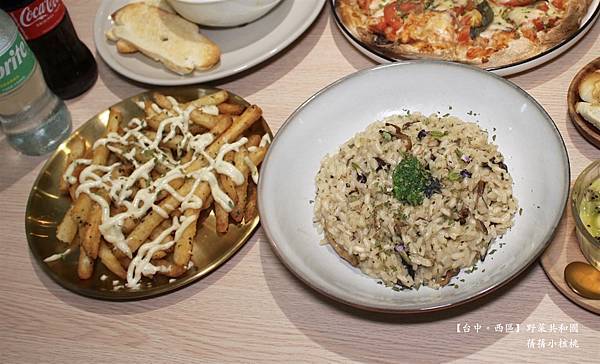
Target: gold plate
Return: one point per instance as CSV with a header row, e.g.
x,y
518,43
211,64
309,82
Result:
x,y
46,207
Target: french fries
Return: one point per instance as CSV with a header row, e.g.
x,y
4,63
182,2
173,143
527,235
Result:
x,y
207,121
162,101
221,215
251,203
183,246
85,265
210,99
231,109
141,193
91,232
67,229
110,261
237,214
90,242
76,147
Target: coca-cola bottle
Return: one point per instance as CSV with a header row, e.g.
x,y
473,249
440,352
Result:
x,y
68,65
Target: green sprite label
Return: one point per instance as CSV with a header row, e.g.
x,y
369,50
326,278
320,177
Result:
x,y
17,63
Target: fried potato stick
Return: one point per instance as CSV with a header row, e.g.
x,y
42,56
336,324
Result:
x,y
212,99
251,204
110,261
230,108
204,214
76,151
91,232
237,213
253,140
221,215
148,109
205,120
183,246
85,265
162,101
247,209
67,229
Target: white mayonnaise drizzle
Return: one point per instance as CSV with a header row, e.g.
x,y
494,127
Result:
x,y
220,197
191,201
227,168
68,175
118,287
135,122
130,156
58,256
210,109
264,141
172,100
159,210
156,108
140,265
253,169
199,142
114,149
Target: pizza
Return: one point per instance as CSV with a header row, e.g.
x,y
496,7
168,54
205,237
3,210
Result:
x,y
488,33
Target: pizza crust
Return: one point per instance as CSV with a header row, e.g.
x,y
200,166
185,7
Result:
x,y
568,25
352,19
517,50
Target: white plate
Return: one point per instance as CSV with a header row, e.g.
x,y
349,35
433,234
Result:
x,y
586,24
526,135
241,47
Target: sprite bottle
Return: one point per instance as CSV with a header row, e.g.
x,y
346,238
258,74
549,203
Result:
x,y
32,118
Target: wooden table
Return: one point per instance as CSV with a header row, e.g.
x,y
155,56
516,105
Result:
x,y
252,308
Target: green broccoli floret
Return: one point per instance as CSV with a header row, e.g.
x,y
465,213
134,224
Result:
x,y
412,182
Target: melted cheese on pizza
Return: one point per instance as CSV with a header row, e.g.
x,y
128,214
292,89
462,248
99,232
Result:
x,y
433,28
443,5
498,24
376,7
521,15
440,27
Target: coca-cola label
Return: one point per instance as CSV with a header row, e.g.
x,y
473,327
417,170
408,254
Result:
x,y
17,63
39,17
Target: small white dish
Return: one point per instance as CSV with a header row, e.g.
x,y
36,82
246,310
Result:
x,y
587,23
526,135
222,13
241,47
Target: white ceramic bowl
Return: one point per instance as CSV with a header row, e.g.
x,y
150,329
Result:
x,y
532,145
222,13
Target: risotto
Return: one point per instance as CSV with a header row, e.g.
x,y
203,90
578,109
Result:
x,y
413,199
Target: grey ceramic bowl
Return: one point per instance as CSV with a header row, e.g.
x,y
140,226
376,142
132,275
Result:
x,y
525,133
